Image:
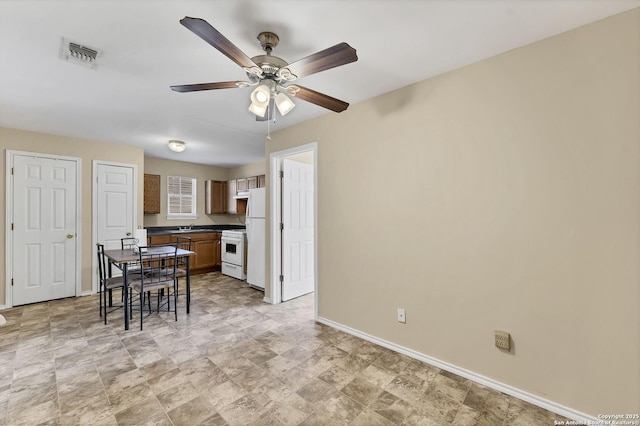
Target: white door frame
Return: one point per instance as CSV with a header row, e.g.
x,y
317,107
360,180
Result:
x,y
9,219
274,219
94,215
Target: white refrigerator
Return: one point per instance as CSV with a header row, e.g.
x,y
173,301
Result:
x,y
256,228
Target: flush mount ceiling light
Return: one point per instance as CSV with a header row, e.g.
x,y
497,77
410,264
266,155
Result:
x,y
177,146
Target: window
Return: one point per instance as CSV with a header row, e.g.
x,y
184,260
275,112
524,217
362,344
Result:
x,y
181,197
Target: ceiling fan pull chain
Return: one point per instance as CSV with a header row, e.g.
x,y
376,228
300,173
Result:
x,y
268,130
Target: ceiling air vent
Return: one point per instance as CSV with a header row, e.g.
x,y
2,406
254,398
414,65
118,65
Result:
x,y
79,54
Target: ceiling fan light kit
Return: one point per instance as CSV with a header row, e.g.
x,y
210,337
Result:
x,y
271,74
177,146
284,104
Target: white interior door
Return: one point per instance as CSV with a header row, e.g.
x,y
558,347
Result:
x,y
114,204
297,236
44,246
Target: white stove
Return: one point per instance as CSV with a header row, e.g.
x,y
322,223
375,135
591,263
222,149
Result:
x,y
233,253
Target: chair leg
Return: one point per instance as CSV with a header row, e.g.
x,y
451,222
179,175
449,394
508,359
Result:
x,y
104,304
141,309
175,301
100,296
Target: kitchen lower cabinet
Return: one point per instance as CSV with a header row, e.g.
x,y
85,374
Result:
x,y
206,245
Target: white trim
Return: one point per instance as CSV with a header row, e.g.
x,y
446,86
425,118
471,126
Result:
x,y
267,300
94,215
8,295
475,377
275,159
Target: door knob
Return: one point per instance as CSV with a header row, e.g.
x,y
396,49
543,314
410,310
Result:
x,y
69,235
128,234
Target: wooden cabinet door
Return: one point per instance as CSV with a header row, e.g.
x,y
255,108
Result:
x,y
252,182
241,185
151,194
215,197
231,192
218,250
205,254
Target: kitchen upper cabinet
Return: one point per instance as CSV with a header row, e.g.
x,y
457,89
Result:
x,y
151,194
215,197
231,192
242,185
252,182
262,181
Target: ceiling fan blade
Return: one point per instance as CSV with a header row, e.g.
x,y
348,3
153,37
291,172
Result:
x,y
335,56
208,86
317,98
205,31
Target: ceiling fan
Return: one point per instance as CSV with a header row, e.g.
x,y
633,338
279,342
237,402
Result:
x,y
273,76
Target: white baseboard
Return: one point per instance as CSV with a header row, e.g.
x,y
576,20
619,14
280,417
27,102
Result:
x,y
88,293
267,300
485,381
3,307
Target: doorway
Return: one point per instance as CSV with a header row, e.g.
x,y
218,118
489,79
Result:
x,y
43,255
294,256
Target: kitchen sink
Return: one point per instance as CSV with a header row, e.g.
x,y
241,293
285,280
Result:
x,y
191,231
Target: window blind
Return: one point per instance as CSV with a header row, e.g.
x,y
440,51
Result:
x,y
181,196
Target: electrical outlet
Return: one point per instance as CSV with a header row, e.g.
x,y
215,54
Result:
x,y
503,340
401,315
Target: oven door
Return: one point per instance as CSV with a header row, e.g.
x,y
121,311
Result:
x,y
232,250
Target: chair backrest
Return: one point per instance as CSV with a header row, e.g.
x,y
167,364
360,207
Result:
x,y
183,243
128,242
158,265
102,263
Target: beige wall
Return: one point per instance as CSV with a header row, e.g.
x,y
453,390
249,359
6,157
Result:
x,y
248,170
87,151
503,195
201,172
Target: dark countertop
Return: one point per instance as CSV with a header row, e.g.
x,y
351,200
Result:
x,y
159,230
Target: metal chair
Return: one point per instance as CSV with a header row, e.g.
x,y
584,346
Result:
x,y
159,274
107,284
129,243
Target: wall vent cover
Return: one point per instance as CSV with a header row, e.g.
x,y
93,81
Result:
x,y
79,54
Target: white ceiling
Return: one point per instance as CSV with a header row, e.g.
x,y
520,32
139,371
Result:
x,y
127,99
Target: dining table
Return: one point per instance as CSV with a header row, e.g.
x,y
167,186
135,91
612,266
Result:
x,y
122,259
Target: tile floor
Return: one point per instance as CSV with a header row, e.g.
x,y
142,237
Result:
x,y
233,361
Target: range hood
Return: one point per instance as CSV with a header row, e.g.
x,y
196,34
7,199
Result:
x,y
242,196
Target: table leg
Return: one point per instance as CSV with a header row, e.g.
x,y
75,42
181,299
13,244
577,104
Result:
x,y
126,296
188,284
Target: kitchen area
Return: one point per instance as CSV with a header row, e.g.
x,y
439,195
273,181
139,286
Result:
x,y
227,227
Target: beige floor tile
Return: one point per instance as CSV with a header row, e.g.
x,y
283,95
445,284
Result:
x,y
234,360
